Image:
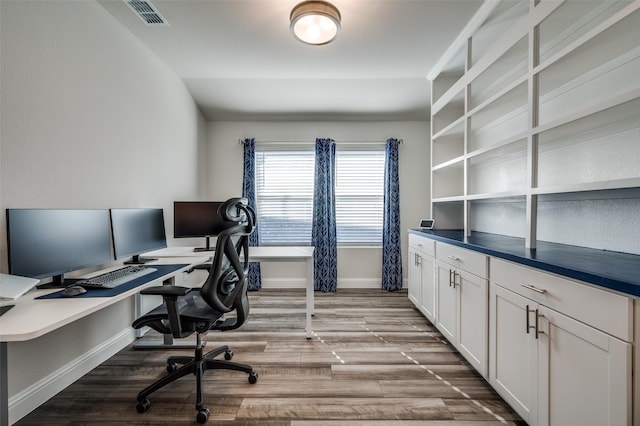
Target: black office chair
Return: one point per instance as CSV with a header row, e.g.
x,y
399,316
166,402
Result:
x,y
186,311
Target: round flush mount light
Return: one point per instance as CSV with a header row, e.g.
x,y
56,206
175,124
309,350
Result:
x,y
315,22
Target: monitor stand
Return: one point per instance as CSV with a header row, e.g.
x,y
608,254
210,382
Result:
x,y
59,281
137,260
207,246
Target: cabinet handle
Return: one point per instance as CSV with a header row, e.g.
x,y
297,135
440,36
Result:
x,y
536,324
528,325
536,289
455,283
418,260
451,272
456,258
537,330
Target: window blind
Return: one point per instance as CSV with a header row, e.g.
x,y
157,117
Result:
x,y
359,190
284,196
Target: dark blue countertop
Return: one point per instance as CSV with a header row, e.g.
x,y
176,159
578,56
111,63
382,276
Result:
x,y
609,269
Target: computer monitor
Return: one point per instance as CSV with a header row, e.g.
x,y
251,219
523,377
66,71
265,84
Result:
x,y
137,231
46,243
193,219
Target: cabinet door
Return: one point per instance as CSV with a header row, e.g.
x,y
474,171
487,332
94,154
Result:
x,y
428,292
513,351
415,275
585,374
446,302
473,320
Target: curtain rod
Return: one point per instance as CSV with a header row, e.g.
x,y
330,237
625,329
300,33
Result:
x,y
241,142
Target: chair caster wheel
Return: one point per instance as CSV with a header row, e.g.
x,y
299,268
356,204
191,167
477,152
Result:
x,y
203,416
172,367
253,377
143,406
228,355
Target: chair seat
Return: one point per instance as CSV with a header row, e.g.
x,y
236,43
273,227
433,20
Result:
x,y
195,315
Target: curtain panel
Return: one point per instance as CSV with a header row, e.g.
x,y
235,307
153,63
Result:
x,y
323,231
391,237
249,192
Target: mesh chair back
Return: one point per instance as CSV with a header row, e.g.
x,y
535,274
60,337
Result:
x,y
226,285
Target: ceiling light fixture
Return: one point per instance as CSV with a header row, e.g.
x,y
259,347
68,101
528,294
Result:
x,y
315,22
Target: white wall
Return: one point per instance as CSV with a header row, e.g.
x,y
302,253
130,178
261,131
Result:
x,y
357,267
90,119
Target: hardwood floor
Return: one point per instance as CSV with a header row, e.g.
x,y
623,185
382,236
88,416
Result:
x,y
374,360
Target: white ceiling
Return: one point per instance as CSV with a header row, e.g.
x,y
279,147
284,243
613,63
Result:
x,y
239,61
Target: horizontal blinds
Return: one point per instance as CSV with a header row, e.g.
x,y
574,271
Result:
x,y
284,196
359,196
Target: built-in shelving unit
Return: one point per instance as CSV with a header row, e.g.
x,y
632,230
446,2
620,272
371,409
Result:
x,y
535,102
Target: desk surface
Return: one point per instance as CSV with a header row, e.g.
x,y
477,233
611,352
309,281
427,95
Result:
x,y
32,318
282,253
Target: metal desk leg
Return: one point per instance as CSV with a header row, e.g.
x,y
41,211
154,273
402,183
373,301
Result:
x,y
310,293
4,386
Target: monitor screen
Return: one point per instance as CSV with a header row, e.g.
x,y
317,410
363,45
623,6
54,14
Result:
x,y
136,231
49,242
197,219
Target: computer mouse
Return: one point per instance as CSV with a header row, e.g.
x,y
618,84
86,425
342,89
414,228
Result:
x,y
73,290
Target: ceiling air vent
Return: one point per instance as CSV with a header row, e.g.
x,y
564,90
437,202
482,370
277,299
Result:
x,y
147,12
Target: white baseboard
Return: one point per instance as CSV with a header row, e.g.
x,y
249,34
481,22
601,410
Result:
x,y
40,392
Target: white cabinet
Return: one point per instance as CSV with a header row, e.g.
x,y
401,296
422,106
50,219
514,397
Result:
x,y
421,275
513,354
414,287
552,368
462,302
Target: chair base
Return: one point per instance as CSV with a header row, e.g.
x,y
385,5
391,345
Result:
x,y
196,365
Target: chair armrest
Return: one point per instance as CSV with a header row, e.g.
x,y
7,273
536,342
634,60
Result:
x,y
166,290
170,294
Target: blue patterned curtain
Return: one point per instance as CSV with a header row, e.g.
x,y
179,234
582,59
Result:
x,y
391,247
323,233
249,192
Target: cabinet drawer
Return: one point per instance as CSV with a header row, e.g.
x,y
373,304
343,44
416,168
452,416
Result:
x,y
601,309
423,244
470,261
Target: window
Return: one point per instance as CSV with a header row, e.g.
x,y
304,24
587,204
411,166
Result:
x,y
359,196
284,196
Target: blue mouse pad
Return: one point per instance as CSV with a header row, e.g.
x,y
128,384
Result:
x,y
109,292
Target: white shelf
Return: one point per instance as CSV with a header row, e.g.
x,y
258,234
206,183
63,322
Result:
x,y
589,186
448,96
567,126
496,195
498,145
454,128
499,94
582,113
454,162
627,12
449,199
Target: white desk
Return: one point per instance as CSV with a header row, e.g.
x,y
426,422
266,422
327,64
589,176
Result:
x,y
31,318
265,254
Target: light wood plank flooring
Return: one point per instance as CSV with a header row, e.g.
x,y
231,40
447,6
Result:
x,y
374,360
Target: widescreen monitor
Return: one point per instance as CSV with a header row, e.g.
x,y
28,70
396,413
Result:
x,y
46,243
193,219
137,231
